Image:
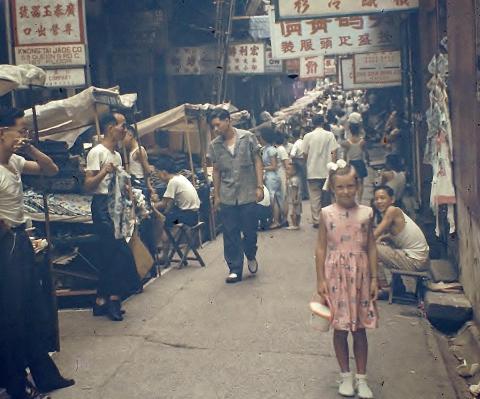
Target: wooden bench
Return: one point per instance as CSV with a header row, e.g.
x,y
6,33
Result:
x,y
185,240
420,278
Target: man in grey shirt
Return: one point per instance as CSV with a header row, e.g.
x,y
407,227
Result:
x,y
238,184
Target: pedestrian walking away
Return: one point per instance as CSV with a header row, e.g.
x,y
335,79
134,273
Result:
x,y
238,185
346,262
319,148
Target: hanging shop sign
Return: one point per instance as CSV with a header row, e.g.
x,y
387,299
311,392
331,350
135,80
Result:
x,y
191,61
72,77
348,81
331,36
272,65
246,58
312,67
383,67
50,34
292,66
330,67
297,9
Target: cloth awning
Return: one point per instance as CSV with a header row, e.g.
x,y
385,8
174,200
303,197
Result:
x,y
19,76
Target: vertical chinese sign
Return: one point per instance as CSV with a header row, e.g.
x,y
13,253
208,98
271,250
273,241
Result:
x,y
295,9
332,36
50,34
246,59
312,67
330,67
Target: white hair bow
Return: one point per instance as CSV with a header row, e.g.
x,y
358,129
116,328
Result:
x,y
335,165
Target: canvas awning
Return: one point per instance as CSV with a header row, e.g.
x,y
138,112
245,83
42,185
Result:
x,y
19,76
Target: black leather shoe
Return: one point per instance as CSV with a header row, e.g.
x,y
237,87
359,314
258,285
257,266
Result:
x,y
101,310
114,311
59,383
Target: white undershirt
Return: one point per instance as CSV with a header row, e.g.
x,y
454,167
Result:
x,y
11,192
96,159
182,192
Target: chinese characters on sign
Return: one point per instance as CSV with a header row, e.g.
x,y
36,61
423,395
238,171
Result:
x,y
312,67
329,36
50,34
294,9
247,58
192,61
48,22
384,68
330,67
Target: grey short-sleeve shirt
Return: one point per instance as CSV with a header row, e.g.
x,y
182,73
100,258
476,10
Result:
x,y
238,179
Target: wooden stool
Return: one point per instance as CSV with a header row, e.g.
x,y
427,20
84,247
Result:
x,y
190,237
419,277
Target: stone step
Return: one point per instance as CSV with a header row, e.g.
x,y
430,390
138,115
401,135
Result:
x,y
443,270
450,309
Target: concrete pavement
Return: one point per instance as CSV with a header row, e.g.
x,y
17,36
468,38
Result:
x,y
189,335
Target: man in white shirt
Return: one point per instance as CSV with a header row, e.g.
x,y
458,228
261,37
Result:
x,y
23,333
180,202
319,148
118,275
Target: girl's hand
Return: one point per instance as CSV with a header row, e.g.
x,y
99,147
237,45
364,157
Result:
x,y
374,289
322,289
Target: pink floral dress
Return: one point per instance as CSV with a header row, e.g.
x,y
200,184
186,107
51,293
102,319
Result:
x,y
347,269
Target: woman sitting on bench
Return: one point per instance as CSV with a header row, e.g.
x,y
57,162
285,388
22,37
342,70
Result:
x,y
180,203
401,244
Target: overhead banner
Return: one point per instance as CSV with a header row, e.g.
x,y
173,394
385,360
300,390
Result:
x,y
312,67
246,58
50,34
384,67
191,61
332,36
347,78
297,9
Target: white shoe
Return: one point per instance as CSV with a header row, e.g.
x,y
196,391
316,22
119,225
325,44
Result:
x,y
346,385
252,265
364,391
293,228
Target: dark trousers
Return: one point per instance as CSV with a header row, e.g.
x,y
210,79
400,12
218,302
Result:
x,y
238,220
177,215
118,273
23,317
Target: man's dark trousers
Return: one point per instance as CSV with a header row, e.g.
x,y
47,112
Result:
x,y
238,219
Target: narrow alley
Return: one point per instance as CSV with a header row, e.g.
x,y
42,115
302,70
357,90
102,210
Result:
x,y
189,335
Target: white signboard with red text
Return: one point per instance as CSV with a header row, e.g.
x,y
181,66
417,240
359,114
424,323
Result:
x,y
50,34
384,67
331,36
330,67
272,65
297,9
312,67
246,58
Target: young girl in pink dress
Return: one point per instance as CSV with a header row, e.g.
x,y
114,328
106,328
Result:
x,y
346,260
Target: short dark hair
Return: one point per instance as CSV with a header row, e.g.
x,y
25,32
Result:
x,y
219,113
106,120
166,165
394,162
280,139
9,115
387,189
355,128
268,135
318,120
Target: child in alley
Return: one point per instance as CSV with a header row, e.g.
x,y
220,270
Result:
x,y
346,262
294,195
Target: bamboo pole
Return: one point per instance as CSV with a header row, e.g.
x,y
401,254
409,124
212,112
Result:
x,y
97,123
189,147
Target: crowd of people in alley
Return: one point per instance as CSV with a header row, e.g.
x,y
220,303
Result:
x,y
261,180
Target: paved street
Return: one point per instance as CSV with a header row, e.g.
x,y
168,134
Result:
x,y
189,335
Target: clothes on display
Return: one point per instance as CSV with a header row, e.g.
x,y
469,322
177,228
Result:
x,y
439,150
